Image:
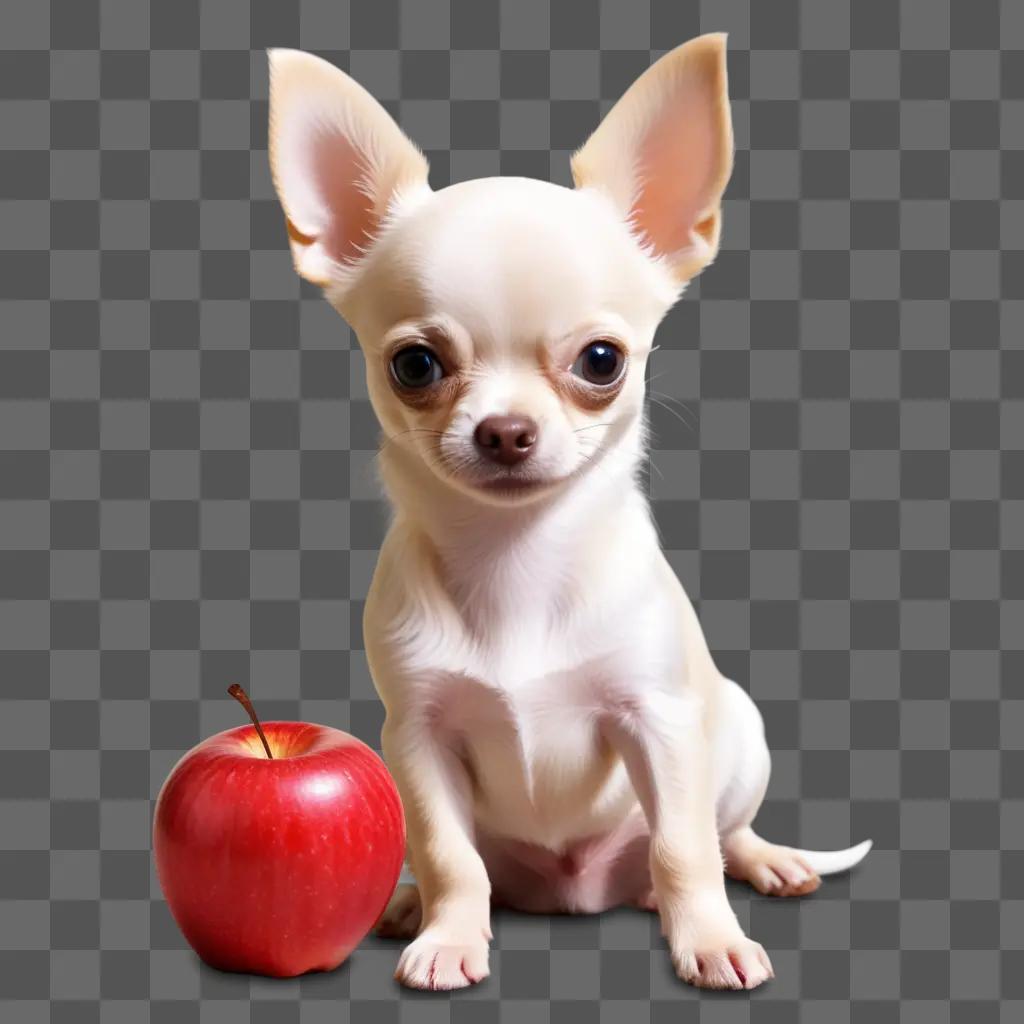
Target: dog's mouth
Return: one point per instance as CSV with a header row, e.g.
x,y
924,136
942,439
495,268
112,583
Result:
x,y
508,485
513,484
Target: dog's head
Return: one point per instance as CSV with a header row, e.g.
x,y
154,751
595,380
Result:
x,y
506,322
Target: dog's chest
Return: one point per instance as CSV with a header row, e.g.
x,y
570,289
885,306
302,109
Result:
x,y
531,741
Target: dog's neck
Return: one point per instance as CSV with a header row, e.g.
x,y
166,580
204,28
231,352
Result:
x,y
496,555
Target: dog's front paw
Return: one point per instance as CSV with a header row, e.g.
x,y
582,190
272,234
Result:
x,y
740,963
439,959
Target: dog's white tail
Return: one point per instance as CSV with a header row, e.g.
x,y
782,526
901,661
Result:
x,y
831,862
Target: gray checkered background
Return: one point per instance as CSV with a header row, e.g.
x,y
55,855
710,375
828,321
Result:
x,y
188,490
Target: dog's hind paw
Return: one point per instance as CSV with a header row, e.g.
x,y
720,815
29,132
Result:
x,y
401,918
772,870
646,901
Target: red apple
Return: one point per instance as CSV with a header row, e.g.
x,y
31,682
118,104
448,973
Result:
x,y
278,848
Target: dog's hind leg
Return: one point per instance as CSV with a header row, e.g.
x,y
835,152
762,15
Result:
x,y
746,763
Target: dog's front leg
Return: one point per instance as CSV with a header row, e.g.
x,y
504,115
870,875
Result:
x,y
662,739
451,950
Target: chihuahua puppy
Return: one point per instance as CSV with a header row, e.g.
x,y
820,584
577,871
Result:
x,y
560,736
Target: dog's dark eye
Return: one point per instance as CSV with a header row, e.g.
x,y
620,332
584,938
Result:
x,y
416,367
601,363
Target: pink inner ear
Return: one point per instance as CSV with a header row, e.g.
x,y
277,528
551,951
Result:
x,y
338,167
677,167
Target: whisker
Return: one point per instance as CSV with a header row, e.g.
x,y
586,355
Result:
x,y
658,399
673,398
651,392
391,438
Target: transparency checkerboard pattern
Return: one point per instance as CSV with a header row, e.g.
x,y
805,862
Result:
x,y
187,494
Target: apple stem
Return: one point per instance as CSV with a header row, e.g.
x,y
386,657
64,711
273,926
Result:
x,y
242,697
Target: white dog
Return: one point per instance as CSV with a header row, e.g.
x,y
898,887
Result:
x,y
558,731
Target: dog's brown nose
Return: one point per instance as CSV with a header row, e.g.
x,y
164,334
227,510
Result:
x,y
506,440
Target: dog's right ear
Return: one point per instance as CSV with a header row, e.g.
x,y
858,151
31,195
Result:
x,y
338,161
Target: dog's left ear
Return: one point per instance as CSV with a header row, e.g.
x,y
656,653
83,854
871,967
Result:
x,y
663,154
338,162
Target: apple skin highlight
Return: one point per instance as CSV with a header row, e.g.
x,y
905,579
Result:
x,y
278,866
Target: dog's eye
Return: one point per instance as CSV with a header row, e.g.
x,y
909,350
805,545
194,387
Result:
x,y
416,367
601,363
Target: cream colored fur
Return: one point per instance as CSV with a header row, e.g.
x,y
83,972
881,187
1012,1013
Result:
x,y
558,730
